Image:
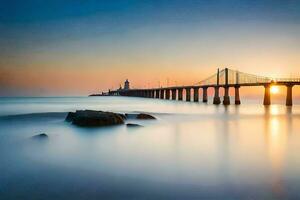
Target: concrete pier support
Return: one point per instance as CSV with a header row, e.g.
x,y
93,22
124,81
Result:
x,y
145,93
162,94
289,95
180,94
167,94
173,94
217,100
196,94
188,94
267,97
237,100
149,93
157,94
226,99
152,93
204,95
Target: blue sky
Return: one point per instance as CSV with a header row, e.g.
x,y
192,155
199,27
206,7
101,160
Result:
x,y
125,38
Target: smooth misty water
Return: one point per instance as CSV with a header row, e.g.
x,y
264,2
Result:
x,y
192,151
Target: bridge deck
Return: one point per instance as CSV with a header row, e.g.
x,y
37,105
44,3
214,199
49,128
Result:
x,y
222,85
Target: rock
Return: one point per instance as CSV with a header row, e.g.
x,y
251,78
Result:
x,y
91,118
133,125
139,116
144,116
131,115
41,136
70,117
123,116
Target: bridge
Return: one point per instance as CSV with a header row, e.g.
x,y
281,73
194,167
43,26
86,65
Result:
x,y
225,78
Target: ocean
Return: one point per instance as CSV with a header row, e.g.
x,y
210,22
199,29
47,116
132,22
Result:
x,y
192,151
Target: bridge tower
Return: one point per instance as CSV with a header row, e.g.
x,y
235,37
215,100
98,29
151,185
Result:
x,y
126,85
226,100
217,100
237,90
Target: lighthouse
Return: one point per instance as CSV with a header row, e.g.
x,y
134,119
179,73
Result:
x,y
126,85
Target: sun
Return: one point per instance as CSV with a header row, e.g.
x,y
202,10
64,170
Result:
x,y
274,89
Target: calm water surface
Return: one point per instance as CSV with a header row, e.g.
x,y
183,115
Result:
x,y
193,151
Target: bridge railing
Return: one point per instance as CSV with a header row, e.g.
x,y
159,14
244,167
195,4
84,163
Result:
x,y
234,77
286,79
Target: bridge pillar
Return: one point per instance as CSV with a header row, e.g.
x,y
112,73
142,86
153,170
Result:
x,y
188,94
204,95
142,93
196,94
180,94
217,100
152,93
157,94
148,93
289,95
173,94
162,94
167,94
237,100
226,100
267,97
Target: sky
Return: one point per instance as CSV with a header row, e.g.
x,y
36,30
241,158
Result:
x,y
78,47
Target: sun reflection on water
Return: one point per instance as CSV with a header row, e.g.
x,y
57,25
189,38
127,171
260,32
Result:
x,y
277,145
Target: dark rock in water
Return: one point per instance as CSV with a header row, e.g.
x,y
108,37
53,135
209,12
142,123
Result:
x,y
131,115
91,118
144,116
133,125
70,117
139,116
41,136
124,117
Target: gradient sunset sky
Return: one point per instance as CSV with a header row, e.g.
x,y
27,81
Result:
x,y
78,47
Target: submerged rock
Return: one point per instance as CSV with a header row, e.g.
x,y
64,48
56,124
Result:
x,y
144,116
41,136
91,118
139,116
133,125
